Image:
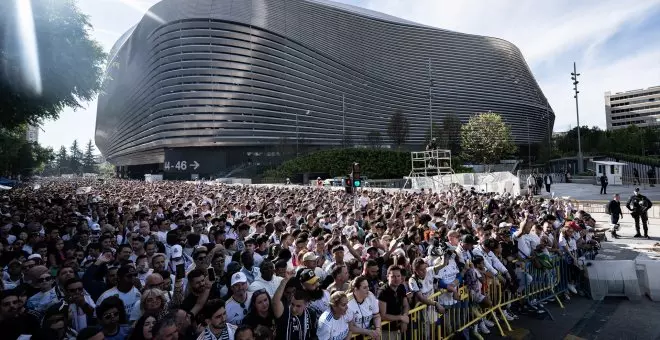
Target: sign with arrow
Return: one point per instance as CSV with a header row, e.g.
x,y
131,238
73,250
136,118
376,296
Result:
x,y
194,161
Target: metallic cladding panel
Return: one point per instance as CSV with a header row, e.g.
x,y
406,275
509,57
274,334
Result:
x,y
207,73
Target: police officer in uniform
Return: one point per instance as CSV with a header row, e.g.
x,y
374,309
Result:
x,y
638,205
603,184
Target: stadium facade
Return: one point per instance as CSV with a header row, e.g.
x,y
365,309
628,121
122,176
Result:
x,y
224,80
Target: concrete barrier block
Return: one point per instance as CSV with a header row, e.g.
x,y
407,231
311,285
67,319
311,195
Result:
x,y
613,278
650,276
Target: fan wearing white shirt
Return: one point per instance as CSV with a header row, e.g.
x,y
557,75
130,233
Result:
x,y
239,303
125,289
333,323
267,280
363,309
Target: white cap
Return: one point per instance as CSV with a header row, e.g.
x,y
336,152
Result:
x,y
504,224
238,278
177,252
95,227
34,256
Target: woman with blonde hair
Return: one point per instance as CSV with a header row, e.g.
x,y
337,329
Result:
x,y
333,323
363,309
153,301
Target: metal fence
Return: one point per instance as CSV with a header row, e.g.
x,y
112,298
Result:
x,y
462,310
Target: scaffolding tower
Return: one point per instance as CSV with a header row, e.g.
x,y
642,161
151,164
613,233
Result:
x,y
427,164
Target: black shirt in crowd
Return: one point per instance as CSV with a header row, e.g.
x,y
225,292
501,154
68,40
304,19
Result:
x,y
394,300
291,327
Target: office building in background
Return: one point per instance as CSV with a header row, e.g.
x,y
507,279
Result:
x,y
638,107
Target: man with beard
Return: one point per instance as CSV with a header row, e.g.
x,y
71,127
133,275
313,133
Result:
x,y
319,299
238,304
13,322
215,316
294,321
267,280
198,293
372,272
142,265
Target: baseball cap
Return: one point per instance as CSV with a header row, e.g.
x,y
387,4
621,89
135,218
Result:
x,y
309,256
95,227
504,225
34,256
469,239
308,276
372,248
238,278
177,252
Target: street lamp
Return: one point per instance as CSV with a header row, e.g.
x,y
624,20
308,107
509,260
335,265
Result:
x,y
574,77
430,101
297,139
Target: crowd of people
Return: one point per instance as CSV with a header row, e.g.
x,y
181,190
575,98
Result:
x,y
117,259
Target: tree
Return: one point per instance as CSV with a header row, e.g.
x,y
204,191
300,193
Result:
x,y
75,157
450,137
88,161
373,139
398,128
62,160
486,139
347,140
19,156
70,63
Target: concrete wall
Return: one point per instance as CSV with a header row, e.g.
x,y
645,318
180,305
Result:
x,y
500,182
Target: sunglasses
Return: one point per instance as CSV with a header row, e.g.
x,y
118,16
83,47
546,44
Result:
x,y
110,316
45,279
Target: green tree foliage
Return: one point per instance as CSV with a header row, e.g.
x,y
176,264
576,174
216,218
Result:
x,y
450,135
20,157
486,139
71,63
373,139
62,160
88,161
374,163
398,128
75,158
633,140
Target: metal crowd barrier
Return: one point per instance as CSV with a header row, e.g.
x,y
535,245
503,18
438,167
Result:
x,y
536,286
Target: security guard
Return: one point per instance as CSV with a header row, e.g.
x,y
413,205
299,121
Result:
x,y
639,205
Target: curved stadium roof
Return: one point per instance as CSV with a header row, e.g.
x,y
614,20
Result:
x,y
240,73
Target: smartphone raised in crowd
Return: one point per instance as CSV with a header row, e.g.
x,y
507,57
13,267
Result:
x,y
211,272
180,271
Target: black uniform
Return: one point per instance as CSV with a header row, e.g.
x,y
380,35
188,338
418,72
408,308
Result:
x,y
603,184
639,205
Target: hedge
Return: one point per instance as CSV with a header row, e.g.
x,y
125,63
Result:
x,y
374,163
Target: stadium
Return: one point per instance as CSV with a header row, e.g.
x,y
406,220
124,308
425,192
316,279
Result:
x,y
204,86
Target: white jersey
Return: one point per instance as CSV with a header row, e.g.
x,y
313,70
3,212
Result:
x,y
330,328
236,312
321,305
363,313
129,299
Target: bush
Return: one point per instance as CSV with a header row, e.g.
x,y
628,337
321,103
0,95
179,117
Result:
x,y
374,163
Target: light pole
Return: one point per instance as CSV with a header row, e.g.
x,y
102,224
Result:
x,y
529,146
343,118
574,77
430,101
297,139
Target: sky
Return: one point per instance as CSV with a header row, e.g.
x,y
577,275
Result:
x,y
614,43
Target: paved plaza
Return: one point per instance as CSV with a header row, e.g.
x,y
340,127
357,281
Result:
x,y
590,192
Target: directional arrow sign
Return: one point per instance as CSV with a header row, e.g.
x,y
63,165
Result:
x,y
195,165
